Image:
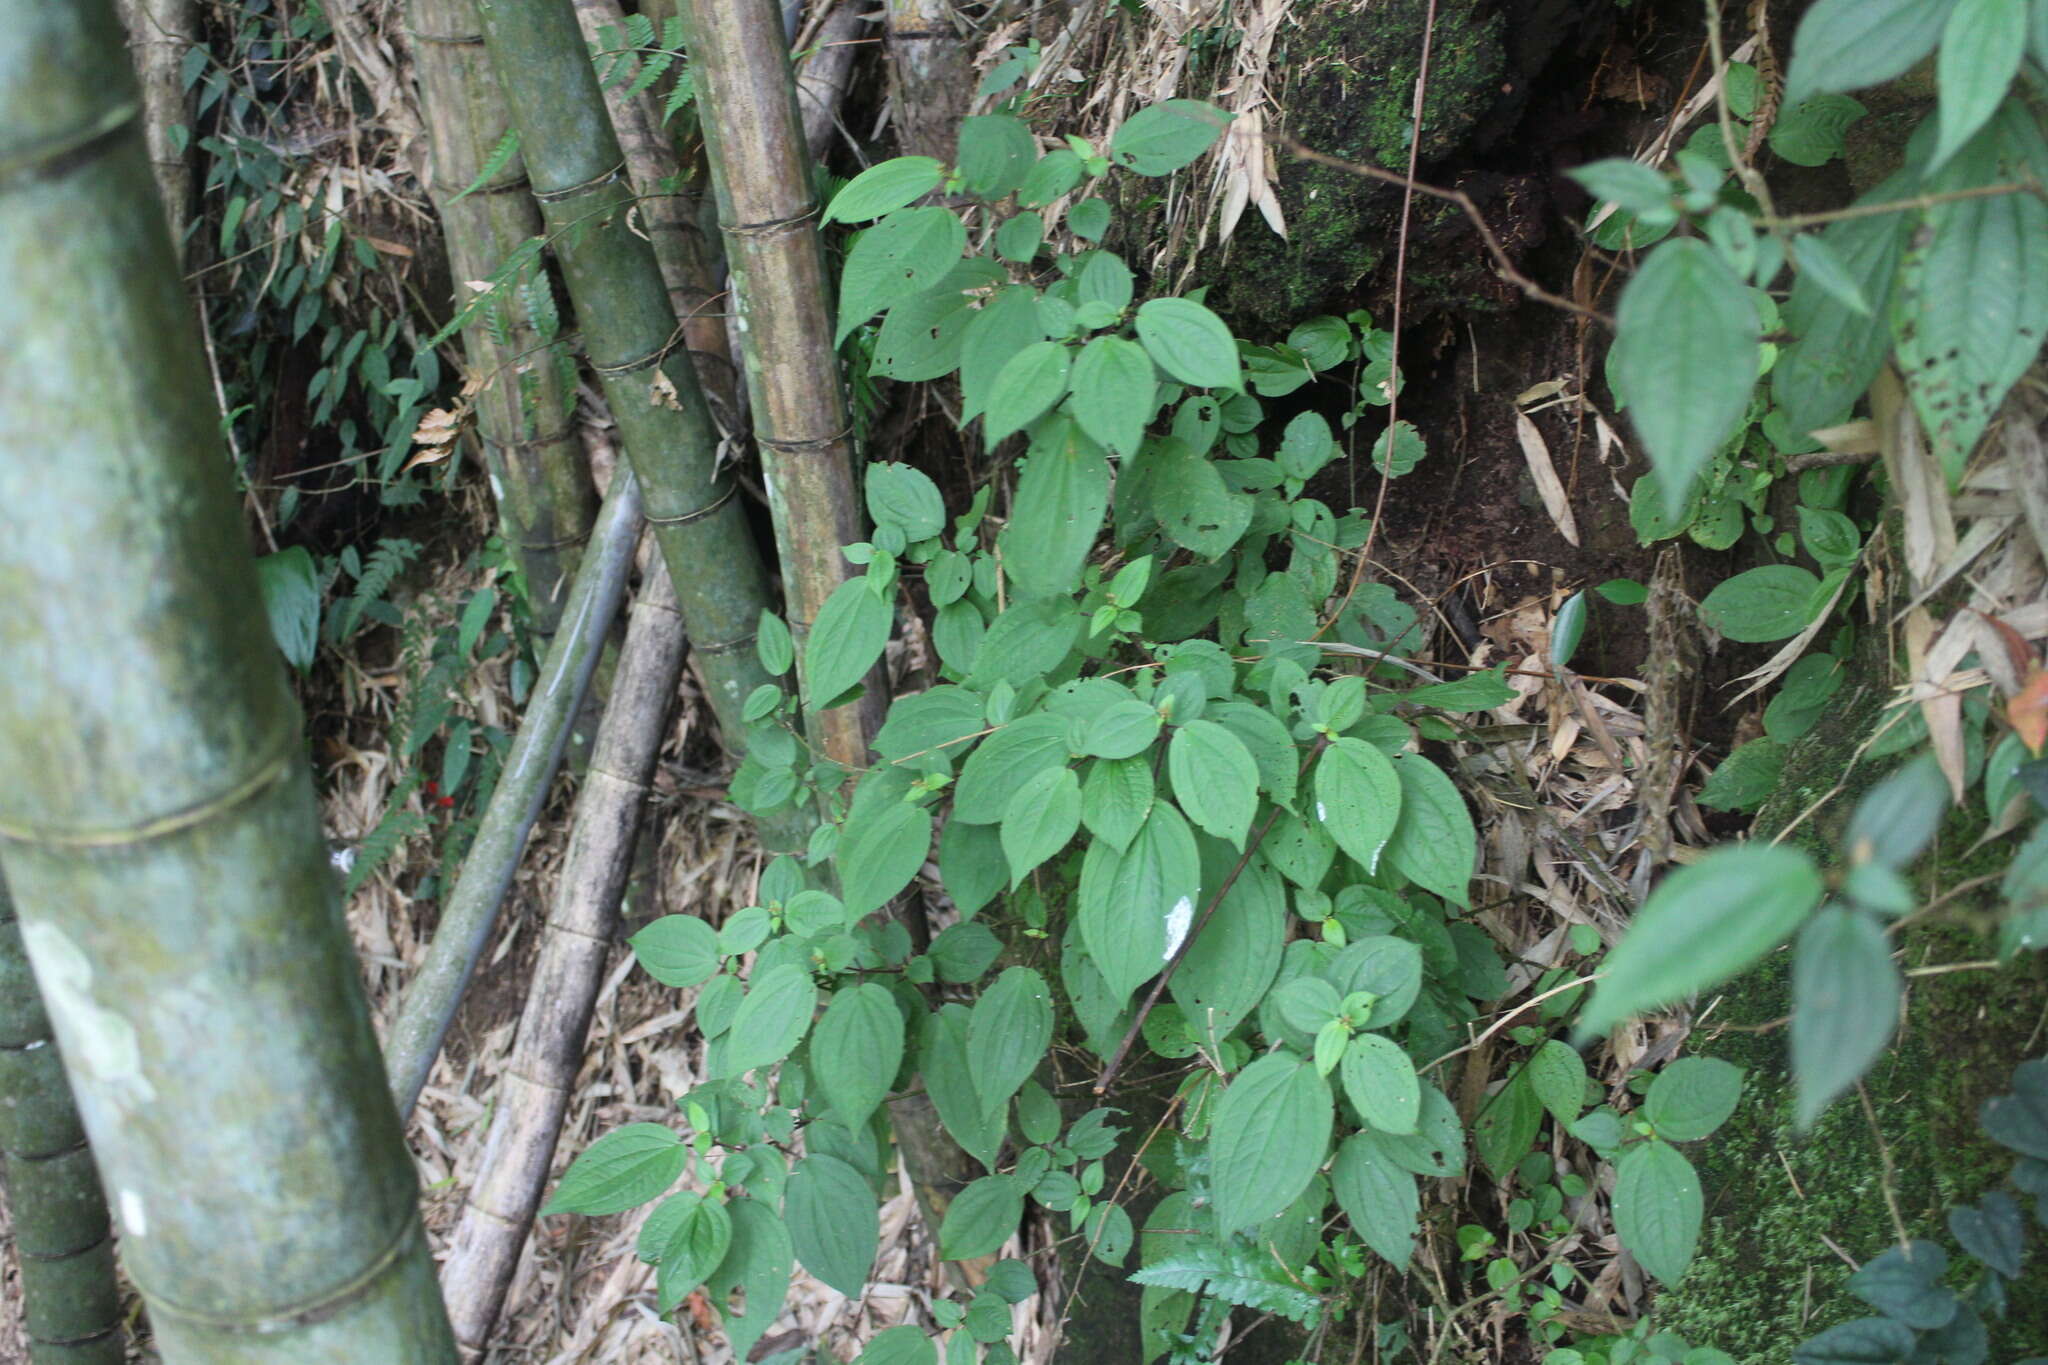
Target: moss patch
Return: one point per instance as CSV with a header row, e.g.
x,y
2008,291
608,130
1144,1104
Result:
x,y
1351,94
1765,1278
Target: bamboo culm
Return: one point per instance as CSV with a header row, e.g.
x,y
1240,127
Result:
x,y
61,1237
535,1086
434,992
526,405
768,209
167,861
634,343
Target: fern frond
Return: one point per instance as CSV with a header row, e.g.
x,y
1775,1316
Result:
x,y
500,157
396,827
1236,1278
651,70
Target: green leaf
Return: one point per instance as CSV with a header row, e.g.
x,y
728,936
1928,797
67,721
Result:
x,y
1104,278
884,188
1897,819
962,952
1845,1004
1062,493
904,1345
1380,1082
943,1063
1113,392
1190,343
1745,777
1004,326
981,1218
834,1224
1626,183
1018,239
971,864
773,644
1864,1341
1193,506
1358,799
1214,779
1566,630
906,498
1406,445
1109,1234
760,1261
1089,219
1271,1131
1437,1147
771,1021
1685,358
1974,291
1122,729
291,598
1305,446
1434,844
678,950
1379,1198
1007,760
1557,1073
1903,1283
996,152
1055,174
939,718
1819,261
1692,1097
1815,131
1992,1231
1008,1033
1025,389
856,1050
1116,798
621,1170
849,635
1848,44
1981,46
1030,639
687,1236
1042,816
1161,139
1506,1126
1657,1208
905,254
1774,602
1837,352
1702,925
1265,737
880,850
1128,899
2020,1120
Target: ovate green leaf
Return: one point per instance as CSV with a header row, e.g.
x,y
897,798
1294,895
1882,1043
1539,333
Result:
x,y
905,1345
1008,1032
1981,46
1041,817
906,253
1005,761
1113,392
1845,1004
1774,602
981,1218
1657,1208
1692,1097
621,1170
1558,1076
1380,1082
834,1225
759,1262
1161,139
1378,1196
850,633
1271,1131
1132,901
856,1049
1685,358
1358,799
1702,925
880,850
1848,44
1214,779
1434,844
678,950
1116,798
771,1021
1190,343
1027,386
884,188
1062,493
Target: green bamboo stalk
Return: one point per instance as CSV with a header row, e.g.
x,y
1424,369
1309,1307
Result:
x,y
526,407
68,1293
669,189
768,209
534,1088
161,835
436,988
633,341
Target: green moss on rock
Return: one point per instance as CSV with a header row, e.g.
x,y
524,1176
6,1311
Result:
x,y
1767,1277
1350,93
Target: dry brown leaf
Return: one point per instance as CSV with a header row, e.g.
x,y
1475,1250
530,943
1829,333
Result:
x,y
662,389
1548,486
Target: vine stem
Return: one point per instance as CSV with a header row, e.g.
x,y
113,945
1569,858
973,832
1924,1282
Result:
x,y
1116,1059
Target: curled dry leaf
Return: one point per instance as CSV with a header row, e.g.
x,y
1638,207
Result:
x,y
435,435
1548,486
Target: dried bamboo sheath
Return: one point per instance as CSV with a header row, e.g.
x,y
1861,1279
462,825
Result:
x,y
166,857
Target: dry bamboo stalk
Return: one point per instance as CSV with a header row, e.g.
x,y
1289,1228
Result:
x,y
526,405
533,1092
768,209
930,77
824,77
160,32
670,218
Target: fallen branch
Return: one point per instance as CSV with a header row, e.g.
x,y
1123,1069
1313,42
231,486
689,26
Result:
x,y
472,908
533,1092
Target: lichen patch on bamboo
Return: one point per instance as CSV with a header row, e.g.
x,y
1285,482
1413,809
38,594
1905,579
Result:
x,y
103,1041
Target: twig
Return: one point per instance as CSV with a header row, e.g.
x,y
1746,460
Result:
x,y
1116,1059
1530,289
1827,459
1887,1173
1791,222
